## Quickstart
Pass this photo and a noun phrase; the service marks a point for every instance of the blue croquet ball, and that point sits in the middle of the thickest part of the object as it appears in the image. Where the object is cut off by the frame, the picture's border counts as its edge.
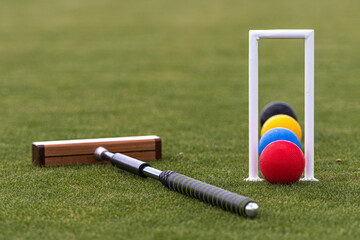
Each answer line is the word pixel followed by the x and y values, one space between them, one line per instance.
pixel 276 134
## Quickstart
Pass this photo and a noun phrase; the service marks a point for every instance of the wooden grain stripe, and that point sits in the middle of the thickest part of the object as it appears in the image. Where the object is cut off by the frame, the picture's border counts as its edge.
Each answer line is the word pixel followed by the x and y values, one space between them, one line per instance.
pixel 89 159
pixel 89 148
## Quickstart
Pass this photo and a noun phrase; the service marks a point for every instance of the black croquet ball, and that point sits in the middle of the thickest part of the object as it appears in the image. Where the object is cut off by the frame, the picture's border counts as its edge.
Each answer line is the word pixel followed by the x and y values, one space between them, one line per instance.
pixel 276 108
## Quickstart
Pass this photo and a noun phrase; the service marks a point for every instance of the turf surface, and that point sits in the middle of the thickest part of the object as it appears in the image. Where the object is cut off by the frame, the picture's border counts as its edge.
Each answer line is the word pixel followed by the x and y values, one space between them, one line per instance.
pixel 177 69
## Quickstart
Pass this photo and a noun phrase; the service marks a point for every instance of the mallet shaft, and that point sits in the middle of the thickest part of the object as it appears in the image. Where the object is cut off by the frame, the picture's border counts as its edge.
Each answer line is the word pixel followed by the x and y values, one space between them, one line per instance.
pixel 152 172
pixel 191 187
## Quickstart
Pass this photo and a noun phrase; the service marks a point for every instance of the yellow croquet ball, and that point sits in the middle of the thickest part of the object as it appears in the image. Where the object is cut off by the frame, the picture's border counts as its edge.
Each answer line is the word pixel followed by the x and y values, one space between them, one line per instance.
pixel 283 121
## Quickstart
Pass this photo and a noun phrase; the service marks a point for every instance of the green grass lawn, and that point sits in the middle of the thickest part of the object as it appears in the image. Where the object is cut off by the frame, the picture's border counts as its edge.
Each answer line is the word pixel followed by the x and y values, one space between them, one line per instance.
pixel 77 69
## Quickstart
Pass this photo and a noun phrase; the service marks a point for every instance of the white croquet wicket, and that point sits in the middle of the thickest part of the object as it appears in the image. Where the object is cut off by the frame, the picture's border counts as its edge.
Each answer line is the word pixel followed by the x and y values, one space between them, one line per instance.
pixel 254 37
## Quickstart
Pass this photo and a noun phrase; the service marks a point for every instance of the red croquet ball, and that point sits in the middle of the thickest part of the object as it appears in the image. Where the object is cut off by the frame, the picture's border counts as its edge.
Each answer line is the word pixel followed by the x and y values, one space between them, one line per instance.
pixel 282 162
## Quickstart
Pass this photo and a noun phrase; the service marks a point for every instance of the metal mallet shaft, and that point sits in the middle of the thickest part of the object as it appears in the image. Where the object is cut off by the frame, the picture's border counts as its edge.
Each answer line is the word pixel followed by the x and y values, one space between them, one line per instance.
pixel 216 196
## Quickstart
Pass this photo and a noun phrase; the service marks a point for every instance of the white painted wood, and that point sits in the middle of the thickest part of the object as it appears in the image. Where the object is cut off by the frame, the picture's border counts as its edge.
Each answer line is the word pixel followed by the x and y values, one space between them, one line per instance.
pixel 95 140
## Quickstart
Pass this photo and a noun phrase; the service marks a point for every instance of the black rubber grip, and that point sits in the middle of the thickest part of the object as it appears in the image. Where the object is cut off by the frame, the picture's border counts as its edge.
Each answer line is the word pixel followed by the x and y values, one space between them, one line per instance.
pixel 216 196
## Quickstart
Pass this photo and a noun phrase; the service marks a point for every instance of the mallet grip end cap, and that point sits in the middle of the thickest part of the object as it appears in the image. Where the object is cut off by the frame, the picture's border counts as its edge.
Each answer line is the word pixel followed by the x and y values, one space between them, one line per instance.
pixel 251 209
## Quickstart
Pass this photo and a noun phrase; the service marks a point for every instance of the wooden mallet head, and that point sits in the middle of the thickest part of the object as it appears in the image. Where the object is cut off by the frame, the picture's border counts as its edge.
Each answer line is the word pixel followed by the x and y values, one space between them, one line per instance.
pixel 73 152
